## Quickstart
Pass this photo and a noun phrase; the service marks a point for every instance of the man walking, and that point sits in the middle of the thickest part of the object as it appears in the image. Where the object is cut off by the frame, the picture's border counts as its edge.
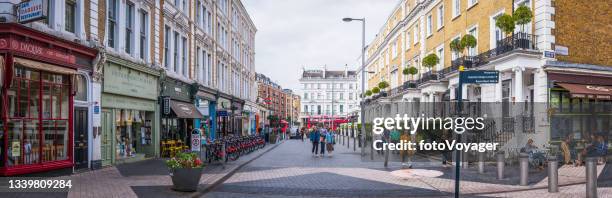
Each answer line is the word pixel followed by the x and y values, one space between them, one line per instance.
pixel 314 138
pixel 322 140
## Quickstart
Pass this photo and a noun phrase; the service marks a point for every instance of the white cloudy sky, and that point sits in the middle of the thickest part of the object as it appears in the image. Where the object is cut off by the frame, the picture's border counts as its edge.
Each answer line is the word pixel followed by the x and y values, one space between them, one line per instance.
pixel 311 33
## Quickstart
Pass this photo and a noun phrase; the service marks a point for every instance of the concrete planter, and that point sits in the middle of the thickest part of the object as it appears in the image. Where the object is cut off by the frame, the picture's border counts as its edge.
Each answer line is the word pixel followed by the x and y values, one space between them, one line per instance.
pixel 186 179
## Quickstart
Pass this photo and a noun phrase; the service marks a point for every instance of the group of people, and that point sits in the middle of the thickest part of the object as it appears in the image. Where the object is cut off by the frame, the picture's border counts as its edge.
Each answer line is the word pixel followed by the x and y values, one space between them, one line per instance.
pixel 324 139
pixel 597 147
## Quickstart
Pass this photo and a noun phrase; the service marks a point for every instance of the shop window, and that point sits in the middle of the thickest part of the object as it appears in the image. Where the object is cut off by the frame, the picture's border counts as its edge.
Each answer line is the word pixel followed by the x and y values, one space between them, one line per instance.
pixel 26 121
pixel 133 130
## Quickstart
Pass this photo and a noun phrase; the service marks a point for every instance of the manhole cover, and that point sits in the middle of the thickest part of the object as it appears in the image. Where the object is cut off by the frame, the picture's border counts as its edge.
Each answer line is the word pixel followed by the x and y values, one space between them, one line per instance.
pixel 416 173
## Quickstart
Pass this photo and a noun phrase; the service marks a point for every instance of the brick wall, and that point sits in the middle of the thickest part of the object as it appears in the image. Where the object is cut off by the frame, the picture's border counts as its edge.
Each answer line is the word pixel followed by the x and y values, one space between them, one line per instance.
pixel 101 20
pixel 584 27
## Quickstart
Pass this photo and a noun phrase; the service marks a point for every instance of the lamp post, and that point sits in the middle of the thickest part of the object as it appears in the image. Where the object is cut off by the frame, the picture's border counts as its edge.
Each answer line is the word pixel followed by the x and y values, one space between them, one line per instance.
pixel 362 80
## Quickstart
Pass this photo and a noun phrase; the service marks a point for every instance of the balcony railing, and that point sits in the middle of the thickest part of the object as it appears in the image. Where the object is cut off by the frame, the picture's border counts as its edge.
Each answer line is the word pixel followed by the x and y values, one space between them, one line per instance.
pixel 429 76
pixel 515 41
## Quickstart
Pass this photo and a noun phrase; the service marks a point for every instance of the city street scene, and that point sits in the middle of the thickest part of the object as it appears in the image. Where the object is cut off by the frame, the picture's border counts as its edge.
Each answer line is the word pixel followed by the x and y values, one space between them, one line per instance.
pixel 305 98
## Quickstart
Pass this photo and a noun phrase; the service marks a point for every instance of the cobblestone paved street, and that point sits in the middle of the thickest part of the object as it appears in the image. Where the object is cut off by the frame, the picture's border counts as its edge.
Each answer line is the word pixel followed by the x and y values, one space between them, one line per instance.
pixel 291 170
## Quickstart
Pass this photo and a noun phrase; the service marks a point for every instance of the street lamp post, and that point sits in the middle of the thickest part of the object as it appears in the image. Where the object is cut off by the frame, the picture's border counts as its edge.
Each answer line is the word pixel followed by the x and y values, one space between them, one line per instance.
pixel 362 104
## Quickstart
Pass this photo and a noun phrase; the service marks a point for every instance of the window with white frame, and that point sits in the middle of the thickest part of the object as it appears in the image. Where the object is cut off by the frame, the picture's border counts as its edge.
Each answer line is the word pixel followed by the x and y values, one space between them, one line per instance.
pixel 429 25
pixel 199 67
pixel 440 52
pixel 454 54
pixel 112 23
pixel 209 69
pixel 456 8
pixel 472 3
pixel 70 16
pixel 440 16
pixel 407 36
pixel 167 47
pixel 129 26
pixel 143 48
pixel 472 51
pixel 394 50
pixel 416 34
pixel 184 55
pixel 176 52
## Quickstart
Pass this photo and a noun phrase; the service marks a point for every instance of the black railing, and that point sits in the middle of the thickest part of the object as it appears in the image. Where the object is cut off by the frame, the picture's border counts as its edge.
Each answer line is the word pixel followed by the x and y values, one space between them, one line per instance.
pixel 508 124
pixel 399 89
pixel 515 41
pixel 528 123
pixel 428 76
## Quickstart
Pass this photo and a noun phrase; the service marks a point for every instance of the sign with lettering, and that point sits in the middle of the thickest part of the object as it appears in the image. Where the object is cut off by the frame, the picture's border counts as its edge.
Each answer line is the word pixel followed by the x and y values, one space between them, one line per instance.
pixel 549 54
pixel 125 102
pixel 125 81
pixel 37 49
pixel 32 10
pixel 479 76
pixel 561 50
pixel 195 140
pixel 166 105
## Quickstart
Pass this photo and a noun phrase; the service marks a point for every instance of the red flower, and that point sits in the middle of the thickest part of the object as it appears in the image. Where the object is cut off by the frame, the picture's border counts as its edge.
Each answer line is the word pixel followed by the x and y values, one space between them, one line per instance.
pixel 197 162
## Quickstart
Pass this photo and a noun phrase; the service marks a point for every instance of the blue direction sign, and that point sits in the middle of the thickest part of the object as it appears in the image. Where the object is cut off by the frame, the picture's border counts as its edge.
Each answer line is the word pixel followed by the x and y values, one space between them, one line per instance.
pixel 479 77
pixel 222 113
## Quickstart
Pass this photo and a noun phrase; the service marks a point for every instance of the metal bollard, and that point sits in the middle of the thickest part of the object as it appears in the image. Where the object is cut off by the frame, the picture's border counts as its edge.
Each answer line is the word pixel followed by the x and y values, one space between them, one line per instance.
pixel 501 156
pixel 553 174
pixel 591 177
pixel 464 160
pixel 481 163
pixel 524 163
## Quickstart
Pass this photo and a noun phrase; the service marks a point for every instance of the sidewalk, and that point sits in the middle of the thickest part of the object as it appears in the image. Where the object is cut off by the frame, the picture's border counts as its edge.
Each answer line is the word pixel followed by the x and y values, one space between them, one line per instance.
pixel 150 178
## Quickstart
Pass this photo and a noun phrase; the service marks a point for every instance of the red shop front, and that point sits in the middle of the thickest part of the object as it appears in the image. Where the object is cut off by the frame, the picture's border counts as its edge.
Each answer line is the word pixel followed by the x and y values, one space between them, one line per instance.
pixel 37 71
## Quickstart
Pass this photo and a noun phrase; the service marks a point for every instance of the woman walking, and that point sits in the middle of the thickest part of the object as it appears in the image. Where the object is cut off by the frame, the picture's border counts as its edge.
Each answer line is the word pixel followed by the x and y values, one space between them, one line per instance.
pixel 329 139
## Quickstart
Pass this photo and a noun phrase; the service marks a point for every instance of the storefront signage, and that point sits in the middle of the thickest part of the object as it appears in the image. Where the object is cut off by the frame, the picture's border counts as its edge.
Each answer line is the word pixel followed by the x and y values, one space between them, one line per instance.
pixel 125 81
pixel 15 149
pixel 203 107
pixel 561 50
pixel 176 90
pixel 37 49
pixel 549 54
pixel 33 10
pixel 166 105
pixel 195 140
pixel 221 113
pixel 124 102
pixel 479 77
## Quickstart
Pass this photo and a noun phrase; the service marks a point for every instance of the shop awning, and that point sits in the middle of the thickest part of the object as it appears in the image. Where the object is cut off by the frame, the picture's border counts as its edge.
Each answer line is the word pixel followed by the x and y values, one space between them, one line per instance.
pixel 44 66
pixel 184 110
pixel 588 91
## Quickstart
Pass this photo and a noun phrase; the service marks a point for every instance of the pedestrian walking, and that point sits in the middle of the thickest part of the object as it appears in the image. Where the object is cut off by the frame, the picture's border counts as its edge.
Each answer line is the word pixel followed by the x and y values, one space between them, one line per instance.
pixel 314 138
pixel 329 139
pixel 322 141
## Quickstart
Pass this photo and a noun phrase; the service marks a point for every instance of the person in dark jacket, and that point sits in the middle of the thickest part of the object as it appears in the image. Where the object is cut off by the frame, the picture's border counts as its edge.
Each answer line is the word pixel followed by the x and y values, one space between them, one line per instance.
pixel 315 135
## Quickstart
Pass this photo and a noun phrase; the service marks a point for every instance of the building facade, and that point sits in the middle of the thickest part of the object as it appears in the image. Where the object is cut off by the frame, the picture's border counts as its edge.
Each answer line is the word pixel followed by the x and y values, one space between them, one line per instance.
pixel 328 93
pixel 541 63
pixel 127 76
pixel 272 96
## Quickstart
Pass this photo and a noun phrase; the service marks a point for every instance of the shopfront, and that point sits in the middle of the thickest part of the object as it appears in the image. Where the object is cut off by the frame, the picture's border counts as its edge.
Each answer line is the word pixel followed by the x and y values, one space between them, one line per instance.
pixel 224 114
pixel 129 112
pixel 580 106
pixel 37 79
pixel 206 103
pixel 179 116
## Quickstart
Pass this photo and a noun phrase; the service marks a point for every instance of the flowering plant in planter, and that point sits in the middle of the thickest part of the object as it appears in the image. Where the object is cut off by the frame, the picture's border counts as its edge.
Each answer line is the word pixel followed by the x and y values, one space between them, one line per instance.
pixel 185 170
pixel 185 160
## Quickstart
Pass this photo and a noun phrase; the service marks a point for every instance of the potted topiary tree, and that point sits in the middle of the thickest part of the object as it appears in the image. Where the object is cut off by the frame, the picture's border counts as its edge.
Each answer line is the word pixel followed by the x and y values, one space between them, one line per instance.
pixel 430 61
pixel 383 84
pixel 368 93
pixel 185 171
pixel 505 22
pixel 375 90
pixel 467 41
pixel 410 71
pixel 522 16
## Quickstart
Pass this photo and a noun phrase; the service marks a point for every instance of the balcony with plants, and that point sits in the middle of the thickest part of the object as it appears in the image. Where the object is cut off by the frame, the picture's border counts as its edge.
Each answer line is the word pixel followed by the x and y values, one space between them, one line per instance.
pixel 429 62
pixel 513 41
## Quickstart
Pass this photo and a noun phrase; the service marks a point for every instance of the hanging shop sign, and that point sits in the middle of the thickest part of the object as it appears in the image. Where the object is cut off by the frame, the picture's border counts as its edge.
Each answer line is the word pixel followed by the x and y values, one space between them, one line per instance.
pixel 33 10
pixel 195 140
pixel 166 105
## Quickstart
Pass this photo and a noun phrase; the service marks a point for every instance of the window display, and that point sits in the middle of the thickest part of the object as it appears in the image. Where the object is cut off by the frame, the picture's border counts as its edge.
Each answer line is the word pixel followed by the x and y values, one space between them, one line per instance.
pixel 132 130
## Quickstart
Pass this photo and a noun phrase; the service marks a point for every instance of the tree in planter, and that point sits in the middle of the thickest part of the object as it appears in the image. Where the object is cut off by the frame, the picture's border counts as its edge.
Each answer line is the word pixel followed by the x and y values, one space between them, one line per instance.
pixel 431 60
pixel 383 84
pixel 368 93
pixel 468 41
pixel 375 90
pixel 410 71
pixel 522 15
pixel 505 22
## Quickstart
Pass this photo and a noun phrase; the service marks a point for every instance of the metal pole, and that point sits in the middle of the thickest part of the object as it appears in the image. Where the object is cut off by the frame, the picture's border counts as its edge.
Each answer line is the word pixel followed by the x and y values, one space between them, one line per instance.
pixel 481 163
pixel 457 152
pixel 363 68
pixel 500 165
pixel 553 174
pixel 524 161
pixel 591 177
